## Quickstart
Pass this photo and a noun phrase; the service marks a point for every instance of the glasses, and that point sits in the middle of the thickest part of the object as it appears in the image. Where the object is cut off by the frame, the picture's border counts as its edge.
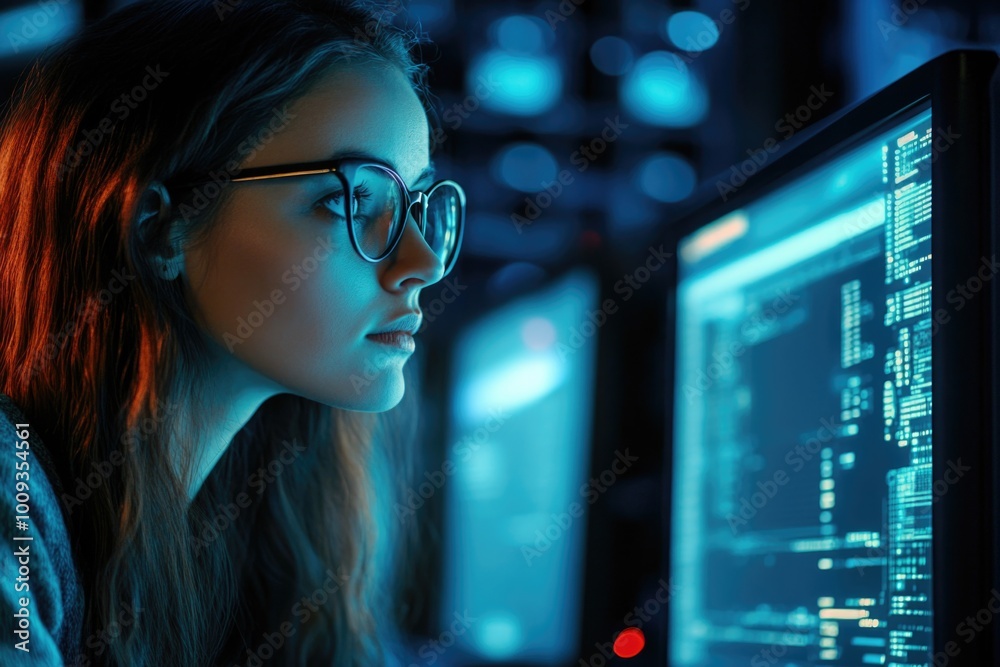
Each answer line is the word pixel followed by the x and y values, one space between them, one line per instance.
pixel 380 204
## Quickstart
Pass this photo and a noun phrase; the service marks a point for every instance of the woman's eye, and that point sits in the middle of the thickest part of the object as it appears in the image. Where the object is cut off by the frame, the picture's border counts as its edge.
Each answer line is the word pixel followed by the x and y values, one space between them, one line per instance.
pixel 335 202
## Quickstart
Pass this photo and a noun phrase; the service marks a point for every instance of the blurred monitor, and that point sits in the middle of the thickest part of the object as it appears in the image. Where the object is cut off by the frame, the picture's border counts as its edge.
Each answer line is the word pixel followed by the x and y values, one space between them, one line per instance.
pixel 518 452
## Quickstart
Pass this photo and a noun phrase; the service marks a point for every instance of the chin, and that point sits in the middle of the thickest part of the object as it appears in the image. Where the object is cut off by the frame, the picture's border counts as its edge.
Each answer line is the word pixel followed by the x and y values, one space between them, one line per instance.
pixel 363 395
pixel 380 403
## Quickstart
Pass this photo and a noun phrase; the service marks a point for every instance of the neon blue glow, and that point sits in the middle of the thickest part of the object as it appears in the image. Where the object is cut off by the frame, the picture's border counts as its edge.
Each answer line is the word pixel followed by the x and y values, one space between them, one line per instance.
pixel 788 252
pixel 486 473
pixel 667 177
pixel 692 31
pixel 522 85
pixel 37 25
pixel 884 43
pixel 525 167
pixel 612 55
pixel 803 321
pixel 513 384
pixel 661 90
pixel 539 333
pixel 499 635
pixel 519 452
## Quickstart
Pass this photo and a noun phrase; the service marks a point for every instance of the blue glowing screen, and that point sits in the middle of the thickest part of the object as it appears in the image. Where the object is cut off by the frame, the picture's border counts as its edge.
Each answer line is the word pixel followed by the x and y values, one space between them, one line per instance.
pixel 802 486
pixel 518 463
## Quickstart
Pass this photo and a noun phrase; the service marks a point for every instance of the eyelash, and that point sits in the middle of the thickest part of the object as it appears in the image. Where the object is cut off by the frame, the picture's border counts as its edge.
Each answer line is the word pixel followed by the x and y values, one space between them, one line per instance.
pixel 361 193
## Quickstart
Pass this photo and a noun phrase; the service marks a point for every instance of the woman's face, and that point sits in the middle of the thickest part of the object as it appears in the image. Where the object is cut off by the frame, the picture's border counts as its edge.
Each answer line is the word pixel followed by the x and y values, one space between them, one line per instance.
pixel 278 284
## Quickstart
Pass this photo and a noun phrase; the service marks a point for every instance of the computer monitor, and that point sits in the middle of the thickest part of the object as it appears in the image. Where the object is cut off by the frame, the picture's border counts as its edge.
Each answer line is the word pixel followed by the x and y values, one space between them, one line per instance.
pixel 517 463
pixel 831 487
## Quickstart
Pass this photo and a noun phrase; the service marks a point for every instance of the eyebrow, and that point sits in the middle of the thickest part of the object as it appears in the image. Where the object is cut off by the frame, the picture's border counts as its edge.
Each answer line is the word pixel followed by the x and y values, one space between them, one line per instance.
pixel 425 176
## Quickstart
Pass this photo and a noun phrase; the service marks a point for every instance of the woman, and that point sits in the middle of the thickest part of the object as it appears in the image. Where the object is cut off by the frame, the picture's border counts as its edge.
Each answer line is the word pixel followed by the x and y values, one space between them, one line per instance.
pixel 204 233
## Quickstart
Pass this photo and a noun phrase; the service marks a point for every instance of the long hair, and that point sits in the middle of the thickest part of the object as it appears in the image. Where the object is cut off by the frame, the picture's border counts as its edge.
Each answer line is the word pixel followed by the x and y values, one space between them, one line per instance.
pixel 283 556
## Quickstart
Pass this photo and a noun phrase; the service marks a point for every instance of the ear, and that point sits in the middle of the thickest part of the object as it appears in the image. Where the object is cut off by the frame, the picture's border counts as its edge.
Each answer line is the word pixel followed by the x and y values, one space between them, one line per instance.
pixel 158 231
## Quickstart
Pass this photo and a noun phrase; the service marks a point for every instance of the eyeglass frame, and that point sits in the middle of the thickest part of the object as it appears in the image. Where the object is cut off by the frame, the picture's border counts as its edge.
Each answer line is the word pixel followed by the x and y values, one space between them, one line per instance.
pixel 337 166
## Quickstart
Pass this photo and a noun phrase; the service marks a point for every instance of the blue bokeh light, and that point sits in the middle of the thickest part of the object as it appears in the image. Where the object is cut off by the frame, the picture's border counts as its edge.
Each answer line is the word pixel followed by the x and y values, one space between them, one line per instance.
pixel 33 27
pixel 692 31
pixel 525 166
pixel 522 34
pixel 612 55
pixel 517 84
pixel 513 385
pixel 667 177
pixel 661 90
pixel 499 635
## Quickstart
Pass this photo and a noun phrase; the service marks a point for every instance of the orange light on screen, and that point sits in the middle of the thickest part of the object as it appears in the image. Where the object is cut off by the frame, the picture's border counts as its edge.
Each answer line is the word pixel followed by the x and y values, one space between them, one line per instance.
pixel 629 642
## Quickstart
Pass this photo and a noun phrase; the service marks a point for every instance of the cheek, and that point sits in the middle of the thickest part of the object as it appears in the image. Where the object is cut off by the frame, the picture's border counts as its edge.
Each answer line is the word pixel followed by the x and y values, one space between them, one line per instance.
pixel 285 304
pixel 326 309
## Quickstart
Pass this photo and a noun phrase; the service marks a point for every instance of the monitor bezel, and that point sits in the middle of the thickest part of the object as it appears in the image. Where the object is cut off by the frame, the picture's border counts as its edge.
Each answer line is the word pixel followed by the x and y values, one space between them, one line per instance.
pixel 958 85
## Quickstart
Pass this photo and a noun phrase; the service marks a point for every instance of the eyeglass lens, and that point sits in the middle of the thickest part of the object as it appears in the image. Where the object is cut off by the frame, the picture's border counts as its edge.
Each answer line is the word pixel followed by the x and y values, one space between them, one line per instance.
pixel 377 217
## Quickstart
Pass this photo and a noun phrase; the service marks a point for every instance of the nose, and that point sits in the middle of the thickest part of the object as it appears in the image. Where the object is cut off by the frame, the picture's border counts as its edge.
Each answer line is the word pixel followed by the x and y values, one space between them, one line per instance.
pixel 413 256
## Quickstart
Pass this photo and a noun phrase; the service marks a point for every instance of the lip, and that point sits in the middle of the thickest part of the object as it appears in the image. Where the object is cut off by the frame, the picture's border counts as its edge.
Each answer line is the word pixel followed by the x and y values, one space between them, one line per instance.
pixel 397 339
pixel 408 323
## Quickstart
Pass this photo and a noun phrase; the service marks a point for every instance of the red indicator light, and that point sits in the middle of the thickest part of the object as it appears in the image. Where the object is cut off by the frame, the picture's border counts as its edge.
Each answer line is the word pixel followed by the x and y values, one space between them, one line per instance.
pixel 629 642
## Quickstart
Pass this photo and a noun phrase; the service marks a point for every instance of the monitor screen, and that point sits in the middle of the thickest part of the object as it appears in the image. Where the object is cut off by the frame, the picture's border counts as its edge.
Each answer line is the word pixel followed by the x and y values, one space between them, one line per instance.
pixel 517 465
pixel 802 486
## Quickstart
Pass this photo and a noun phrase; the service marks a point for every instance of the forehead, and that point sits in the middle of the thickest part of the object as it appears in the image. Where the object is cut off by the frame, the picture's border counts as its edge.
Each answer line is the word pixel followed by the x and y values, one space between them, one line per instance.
pixel 368 108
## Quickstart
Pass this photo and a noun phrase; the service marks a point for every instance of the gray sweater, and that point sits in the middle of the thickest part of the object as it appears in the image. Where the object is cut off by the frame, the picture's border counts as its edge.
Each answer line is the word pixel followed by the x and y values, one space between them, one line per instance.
pixel 42 591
